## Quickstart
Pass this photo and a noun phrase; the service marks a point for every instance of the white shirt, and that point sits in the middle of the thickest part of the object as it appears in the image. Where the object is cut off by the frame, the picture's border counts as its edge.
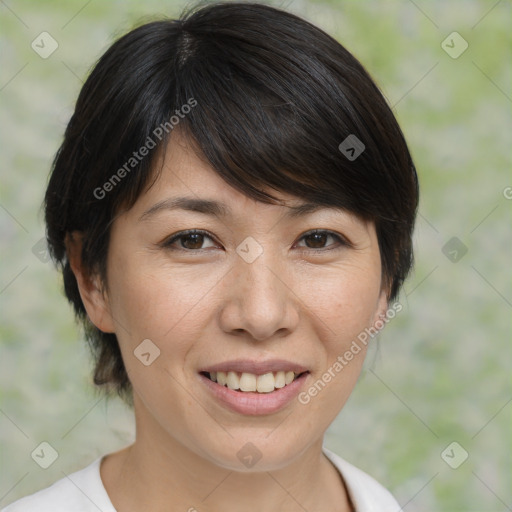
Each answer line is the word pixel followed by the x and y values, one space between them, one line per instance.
pixel 83 491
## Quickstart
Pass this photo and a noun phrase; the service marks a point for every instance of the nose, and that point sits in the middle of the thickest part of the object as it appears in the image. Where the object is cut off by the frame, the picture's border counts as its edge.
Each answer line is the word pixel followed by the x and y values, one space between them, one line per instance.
pixel 259 300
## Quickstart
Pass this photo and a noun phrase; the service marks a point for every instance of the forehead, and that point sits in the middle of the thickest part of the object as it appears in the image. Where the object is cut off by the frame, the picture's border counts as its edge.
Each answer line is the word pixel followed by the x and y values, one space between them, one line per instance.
pixel 187 180
pixel 187 183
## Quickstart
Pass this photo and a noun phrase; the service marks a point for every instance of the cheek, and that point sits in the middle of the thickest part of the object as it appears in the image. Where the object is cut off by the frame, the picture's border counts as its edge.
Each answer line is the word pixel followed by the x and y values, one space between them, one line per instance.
pixel 345 302
pixel 167 304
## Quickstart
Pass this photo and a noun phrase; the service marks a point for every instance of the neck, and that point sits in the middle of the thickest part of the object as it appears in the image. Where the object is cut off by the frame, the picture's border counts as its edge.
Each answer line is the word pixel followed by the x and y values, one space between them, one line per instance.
pixel 151 476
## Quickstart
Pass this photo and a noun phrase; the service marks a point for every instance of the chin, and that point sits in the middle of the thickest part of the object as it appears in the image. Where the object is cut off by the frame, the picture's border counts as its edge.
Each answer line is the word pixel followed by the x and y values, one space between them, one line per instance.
pixel 254 454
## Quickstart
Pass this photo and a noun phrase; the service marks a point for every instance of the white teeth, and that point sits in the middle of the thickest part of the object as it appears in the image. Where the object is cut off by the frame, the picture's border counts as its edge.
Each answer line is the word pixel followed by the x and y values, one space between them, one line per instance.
pixel 280 381
pixel 265 383
pixel 233 381
pixel 221 378
pixel 248 382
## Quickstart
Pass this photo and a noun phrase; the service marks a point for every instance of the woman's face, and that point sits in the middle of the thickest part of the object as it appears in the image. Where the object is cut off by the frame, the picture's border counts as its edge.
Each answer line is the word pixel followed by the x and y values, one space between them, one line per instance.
pixel 255 293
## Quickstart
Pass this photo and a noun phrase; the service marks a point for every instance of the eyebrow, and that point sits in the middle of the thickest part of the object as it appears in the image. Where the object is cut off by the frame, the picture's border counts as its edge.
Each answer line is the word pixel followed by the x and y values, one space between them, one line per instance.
pixel 217 209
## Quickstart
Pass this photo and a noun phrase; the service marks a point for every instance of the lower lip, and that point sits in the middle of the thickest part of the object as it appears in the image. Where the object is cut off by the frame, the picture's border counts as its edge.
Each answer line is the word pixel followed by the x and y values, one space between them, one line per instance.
pixel 252 403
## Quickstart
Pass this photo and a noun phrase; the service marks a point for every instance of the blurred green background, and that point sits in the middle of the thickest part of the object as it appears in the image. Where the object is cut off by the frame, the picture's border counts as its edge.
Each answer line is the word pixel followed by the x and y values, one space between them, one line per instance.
pixel 440 372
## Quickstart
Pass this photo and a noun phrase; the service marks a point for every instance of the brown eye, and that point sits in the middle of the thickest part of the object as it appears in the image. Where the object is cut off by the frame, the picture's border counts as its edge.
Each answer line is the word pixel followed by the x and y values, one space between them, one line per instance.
pixel 190 241
pixel 193 241
pixel 318 240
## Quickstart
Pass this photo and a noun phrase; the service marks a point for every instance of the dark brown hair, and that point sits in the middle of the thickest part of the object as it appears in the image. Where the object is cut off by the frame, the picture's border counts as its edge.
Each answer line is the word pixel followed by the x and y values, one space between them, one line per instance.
pixel 274 103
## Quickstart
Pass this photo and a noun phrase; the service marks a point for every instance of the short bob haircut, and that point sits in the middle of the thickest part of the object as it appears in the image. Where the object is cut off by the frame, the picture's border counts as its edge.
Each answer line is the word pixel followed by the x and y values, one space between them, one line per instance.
pixel 266 98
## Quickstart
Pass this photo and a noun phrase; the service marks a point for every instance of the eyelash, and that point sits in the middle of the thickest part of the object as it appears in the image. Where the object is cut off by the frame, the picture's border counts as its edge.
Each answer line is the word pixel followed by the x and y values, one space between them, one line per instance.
pixel 167 244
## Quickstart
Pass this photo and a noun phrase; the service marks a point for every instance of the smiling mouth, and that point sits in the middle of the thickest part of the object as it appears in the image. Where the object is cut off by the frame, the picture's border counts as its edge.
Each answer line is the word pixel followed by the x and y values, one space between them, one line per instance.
pixel 250 382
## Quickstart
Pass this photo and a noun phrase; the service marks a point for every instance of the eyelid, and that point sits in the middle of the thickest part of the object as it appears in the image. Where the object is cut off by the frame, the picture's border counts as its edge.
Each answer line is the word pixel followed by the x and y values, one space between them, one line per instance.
pixel 341 239
pixel 167 242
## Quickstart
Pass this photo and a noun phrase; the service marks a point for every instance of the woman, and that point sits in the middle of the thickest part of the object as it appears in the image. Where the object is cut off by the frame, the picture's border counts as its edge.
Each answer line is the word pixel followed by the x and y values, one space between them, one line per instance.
pixel 232 208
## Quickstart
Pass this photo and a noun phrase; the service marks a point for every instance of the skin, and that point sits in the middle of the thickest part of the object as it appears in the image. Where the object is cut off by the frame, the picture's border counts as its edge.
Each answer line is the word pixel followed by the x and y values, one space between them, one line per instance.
pixel 203 305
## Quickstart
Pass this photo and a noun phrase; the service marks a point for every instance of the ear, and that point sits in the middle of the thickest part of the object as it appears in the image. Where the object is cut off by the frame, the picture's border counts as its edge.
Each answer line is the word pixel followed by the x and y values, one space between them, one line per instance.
pixel 381 310
pixel 94 297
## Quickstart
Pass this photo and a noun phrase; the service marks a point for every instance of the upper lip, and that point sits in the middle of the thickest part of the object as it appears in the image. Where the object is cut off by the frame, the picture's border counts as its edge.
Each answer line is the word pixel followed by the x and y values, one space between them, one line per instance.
pixel 256 367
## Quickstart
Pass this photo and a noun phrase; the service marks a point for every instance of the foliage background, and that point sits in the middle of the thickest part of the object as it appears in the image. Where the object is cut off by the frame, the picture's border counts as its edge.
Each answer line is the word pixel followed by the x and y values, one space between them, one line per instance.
pixel 441 370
